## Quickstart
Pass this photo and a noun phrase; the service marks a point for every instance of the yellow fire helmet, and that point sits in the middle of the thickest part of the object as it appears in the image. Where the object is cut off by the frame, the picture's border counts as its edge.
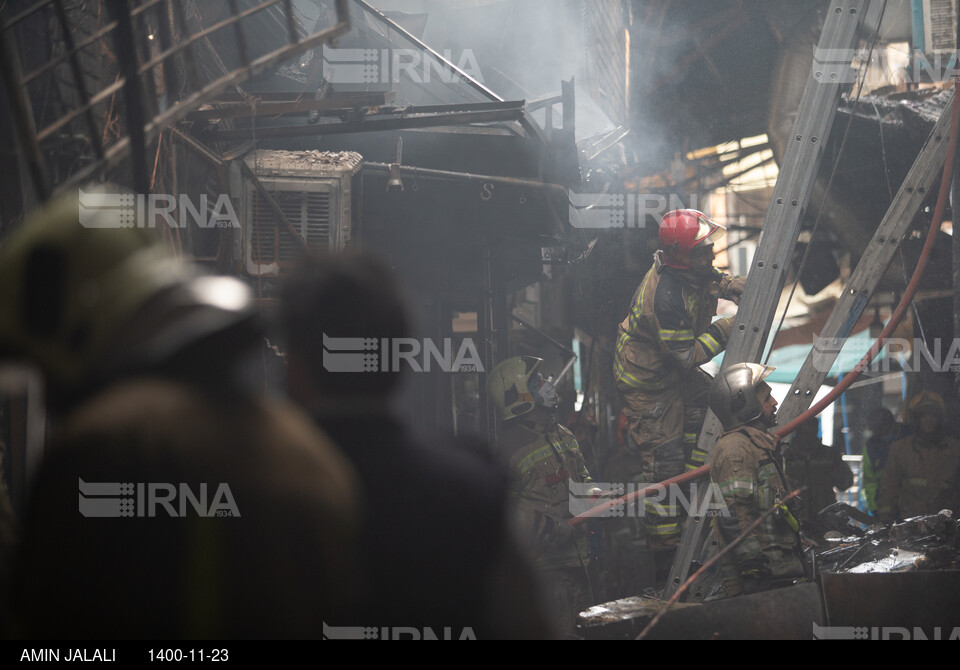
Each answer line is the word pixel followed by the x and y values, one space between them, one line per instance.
pixel 508 386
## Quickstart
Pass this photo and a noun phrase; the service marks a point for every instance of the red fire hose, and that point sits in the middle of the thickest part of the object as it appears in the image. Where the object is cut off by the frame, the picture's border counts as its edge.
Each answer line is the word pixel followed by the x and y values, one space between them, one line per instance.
pixel 910 291
pixel 851 376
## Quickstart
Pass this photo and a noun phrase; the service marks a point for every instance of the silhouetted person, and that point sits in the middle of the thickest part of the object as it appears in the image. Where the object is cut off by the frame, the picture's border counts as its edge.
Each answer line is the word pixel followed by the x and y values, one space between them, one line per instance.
pixel 204 510
pixel 885 430
pixel 922 473
pixel 438 551
pixel 809 462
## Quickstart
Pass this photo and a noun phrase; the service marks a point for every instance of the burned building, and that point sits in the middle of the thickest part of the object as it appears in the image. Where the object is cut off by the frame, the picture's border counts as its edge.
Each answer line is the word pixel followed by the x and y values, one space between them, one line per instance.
pixel 511 160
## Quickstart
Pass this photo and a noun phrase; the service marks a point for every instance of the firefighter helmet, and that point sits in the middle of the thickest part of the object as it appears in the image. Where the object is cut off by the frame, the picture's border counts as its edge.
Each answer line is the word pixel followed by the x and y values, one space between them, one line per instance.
pixel 683 230
pixel 733 394
pixel 925 402
pixel 509 386
pixel 68 288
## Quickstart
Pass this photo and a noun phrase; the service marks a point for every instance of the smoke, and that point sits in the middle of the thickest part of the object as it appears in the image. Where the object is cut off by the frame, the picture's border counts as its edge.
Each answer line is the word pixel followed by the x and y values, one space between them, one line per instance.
pixel 523 49
pixel 660 41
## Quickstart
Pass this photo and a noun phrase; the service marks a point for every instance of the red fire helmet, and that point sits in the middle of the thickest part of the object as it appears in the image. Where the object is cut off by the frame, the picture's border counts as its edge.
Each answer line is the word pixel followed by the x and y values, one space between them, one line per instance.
pixel 681 231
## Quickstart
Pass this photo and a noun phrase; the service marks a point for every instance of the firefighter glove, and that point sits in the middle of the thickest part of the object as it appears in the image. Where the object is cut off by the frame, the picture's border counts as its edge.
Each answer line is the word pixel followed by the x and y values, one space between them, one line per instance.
pixel 731 287
pixel 723 327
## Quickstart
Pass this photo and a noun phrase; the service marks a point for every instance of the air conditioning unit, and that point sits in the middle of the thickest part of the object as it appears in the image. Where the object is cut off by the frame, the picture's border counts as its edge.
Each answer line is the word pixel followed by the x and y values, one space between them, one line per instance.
pixel 313 189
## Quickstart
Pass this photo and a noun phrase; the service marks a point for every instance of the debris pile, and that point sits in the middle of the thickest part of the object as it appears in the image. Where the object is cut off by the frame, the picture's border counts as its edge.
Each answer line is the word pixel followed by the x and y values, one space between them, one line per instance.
pixel 930 542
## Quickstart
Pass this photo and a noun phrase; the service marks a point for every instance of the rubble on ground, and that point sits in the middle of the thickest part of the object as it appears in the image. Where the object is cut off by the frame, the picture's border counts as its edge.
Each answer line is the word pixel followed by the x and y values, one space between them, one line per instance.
pixel 929 542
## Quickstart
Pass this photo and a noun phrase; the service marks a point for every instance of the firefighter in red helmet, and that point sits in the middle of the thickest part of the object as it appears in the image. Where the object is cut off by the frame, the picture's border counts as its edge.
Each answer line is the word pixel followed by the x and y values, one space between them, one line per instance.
pixel 669 332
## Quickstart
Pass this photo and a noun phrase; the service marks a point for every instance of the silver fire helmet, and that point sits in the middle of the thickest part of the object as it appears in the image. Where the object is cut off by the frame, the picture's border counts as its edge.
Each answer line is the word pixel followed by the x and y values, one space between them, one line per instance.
pixel 733 394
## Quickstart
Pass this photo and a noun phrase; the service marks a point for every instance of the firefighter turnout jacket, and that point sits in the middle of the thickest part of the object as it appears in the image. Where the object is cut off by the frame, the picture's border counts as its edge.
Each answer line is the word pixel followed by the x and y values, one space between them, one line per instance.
pixel 667 335
pixel 542 460
pixel 746 467
pixel 668 331
pixel 921 476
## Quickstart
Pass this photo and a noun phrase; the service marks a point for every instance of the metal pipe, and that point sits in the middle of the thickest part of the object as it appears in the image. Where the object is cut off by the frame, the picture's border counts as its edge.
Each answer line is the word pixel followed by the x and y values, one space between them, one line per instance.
pixel 401 123
pixel 427 172
pixel 566 369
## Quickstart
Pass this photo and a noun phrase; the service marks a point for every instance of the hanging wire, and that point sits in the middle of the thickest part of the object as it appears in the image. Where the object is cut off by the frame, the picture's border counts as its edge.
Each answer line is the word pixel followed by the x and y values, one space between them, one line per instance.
pixel 886 174
pixel 833 172
pixel 903 264
pixel 883 150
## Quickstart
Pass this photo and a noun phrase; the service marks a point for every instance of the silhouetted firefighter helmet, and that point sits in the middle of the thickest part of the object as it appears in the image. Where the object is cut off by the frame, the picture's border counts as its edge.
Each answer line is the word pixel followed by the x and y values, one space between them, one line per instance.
pixel 683 230
pixel 69 292
pixel 924 402
pixel 733 394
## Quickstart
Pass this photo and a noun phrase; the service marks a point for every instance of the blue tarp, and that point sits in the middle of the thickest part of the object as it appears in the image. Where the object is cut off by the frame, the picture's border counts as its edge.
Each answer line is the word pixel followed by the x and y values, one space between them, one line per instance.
pixel 789 360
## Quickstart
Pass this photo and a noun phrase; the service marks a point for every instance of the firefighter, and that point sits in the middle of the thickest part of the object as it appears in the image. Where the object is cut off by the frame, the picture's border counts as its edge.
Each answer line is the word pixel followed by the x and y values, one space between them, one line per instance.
pixel 547 469
pixel 808 462
pixel 922 473
pixel 668 334
pixel 240 518
pixel 884 430
pixel 746 467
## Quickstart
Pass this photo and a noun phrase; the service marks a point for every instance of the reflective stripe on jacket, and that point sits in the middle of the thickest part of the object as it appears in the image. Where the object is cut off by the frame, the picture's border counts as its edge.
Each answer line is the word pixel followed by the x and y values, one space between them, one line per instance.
pixel 668 331
pixel 543 461
pixel 745 467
